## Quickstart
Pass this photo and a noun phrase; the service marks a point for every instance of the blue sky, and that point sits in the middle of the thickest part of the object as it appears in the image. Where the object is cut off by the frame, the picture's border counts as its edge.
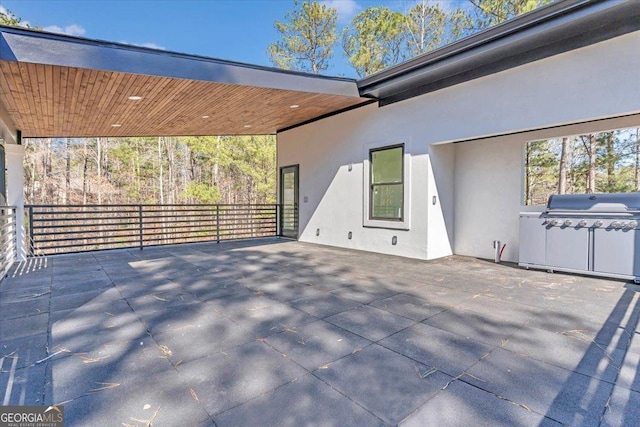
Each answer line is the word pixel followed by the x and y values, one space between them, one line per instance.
pixel 239 30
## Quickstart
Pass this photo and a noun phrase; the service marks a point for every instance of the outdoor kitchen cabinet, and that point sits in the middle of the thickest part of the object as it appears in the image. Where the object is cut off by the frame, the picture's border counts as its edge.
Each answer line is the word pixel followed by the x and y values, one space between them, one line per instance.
pixel 617 251
pixel 597 234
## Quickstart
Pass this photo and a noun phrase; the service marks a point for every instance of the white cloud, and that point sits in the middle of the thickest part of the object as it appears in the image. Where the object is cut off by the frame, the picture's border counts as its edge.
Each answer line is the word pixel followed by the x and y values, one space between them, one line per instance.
pixel 347 9
pixel 150 45
pixel 71 30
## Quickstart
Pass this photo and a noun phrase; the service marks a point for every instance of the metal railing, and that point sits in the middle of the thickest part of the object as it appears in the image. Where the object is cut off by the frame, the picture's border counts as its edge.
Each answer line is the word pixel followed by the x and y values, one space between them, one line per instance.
pixel 8 242
pixel 77 228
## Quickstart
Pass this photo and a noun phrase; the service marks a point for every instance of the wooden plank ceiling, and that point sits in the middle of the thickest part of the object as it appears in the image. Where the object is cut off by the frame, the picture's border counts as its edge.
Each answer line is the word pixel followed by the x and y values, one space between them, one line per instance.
pixel 55 101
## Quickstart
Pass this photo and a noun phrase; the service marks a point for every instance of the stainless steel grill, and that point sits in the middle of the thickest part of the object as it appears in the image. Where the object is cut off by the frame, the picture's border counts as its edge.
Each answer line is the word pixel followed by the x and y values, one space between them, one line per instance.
pixel 596 234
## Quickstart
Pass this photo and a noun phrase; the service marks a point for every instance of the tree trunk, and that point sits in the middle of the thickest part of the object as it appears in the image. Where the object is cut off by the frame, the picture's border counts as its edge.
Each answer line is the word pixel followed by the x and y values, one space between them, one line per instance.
pixel 637 169
pixel 611 162
pixel 527 176
pixel 33 179
pixel 84 173
pixel 170 178
pixel 99 168
pixel 67 174
pixel 161 177
pixel 591 181
pixel 564 154
pixel 46 171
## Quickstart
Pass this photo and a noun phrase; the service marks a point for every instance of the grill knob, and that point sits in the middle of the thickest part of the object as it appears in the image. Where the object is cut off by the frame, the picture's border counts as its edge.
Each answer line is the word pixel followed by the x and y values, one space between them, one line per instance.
pixel 633 224
pixel 582 223
pixel 616 224
pixel 553 222
pixel 568 222
pixel 598 223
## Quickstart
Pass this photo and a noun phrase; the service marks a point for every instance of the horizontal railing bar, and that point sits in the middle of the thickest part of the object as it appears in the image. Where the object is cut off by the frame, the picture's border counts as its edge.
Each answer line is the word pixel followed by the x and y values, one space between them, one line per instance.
pixel 170 231
pixel 51 250
pixel 135 216
pixel 210 232
pixel 169 227
pixel 147 205
pixel 106 224
pixel 7 243
pixel 82 218
pixel 180 227
pixel 10 233
pixel 79 243
pixel 157 214
pixel 86 213
pixel 212 237
pixel 222 230
pixel 100 240
pixel 68 232
pixel 79 228
pixel 206 208
pixel 202 220
pixel 174 214
pixel 134 244
pixel 93 237
pixel 209 240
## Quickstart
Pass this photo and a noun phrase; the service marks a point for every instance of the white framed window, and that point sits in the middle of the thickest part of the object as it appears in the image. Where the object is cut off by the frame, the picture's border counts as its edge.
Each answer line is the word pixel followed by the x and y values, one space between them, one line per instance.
pixel 387 190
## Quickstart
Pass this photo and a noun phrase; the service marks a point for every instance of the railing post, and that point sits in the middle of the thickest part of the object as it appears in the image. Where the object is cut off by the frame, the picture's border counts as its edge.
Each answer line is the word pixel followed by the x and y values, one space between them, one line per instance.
pixel 31 243
pixel 278 220
pixel 217 223
pixel 140 227
pixel 14 219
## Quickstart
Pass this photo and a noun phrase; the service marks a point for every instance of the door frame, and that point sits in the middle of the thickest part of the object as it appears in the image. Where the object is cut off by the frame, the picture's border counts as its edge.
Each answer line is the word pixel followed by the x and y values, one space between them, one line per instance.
pixel 296 200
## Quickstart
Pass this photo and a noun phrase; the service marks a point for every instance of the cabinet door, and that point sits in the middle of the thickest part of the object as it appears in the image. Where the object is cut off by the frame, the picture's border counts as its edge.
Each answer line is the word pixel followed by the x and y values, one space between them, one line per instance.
pixel 532 240
pixel 616 251
pixel 568 247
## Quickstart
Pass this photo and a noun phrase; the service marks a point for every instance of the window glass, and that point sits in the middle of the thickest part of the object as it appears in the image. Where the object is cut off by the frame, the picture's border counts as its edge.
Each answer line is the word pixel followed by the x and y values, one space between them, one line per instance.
pixel 386 197
pixel 387 201
pixel 386 165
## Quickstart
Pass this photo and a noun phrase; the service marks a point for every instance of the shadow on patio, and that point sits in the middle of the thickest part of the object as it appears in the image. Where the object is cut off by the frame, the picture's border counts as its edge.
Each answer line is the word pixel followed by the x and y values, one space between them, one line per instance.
pixel 276 332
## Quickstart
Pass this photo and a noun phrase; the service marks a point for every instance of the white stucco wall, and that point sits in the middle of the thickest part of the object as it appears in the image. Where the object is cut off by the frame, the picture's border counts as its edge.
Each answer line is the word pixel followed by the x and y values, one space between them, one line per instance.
pixel 477 184
pixel 325 150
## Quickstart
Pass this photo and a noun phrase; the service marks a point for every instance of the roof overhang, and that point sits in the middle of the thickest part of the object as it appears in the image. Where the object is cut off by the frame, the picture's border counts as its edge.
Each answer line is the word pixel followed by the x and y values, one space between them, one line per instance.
pixel 60 86
pixel 559 27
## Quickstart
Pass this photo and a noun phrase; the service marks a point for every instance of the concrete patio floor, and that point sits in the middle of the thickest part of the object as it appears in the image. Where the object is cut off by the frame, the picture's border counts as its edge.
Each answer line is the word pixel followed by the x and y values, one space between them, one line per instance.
pixel 274 332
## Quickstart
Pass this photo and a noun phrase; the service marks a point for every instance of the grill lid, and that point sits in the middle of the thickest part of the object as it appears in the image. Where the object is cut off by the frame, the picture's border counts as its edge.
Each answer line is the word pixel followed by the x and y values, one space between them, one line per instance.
pixel 610 202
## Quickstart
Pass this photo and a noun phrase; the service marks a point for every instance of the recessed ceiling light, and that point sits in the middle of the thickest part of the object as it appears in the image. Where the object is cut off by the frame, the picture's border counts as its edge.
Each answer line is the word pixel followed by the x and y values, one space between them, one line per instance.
pixel 205 117
pixel 294 106
pixel 247 126
pixel 135 98
pixel 116 125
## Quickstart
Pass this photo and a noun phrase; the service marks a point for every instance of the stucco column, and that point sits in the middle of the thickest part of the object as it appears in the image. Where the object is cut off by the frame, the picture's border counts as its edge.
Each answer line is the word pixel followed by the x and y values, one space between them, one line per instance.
pixel 15 193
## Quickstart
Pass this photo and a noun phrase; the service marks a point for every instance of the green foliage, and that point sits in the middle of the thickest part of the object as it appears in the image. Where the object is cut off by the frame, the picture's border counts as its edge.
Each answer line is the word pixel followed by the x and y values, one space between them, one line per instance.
pixel 616 169
pixel 378 37
pixel 487 13
pixel 308 35
pixel 426 27
pixel 375 40
pixel 9 18
pixel 201 192
pixel 212 169
pixel 541 170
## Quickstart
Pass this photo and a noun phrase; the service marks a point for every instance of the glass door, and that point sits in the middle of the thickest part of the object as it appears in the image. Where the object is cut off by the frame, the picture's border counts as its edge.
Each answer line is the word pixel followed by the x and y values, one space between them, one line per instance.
pixel 289 201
